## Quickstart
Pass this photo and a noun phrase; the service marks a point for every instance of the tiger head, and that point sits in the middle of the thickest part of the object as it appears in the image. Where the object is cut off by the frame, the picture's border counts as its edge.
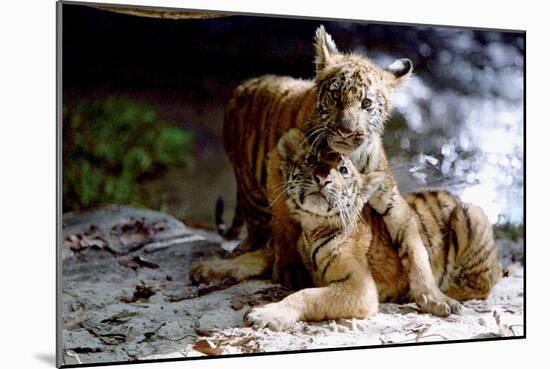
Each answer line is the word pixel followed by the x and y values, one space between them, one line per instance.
pixel 353 95
pixel 319 182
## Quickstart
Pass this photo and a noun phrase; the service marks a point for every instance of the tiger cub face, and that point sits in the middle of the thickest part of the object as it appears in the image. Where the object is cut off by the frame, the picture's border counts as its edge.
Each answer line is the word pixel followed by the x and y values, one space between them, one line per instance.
pixel 353 95
pixel 321 183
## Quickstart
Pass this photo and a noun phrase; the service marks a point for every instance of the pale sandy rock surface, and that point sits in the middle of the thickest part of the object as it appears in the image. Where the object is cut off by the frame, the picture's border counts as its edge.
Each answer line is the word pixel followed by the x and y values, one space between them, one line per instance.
pixel 104 321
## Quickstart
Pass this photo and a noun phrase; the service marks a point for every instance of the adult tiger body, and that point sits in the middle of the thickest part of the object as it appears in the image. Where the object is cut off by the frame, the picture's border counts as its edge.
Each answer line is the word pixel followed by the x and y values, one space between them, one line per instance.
pixel 260 110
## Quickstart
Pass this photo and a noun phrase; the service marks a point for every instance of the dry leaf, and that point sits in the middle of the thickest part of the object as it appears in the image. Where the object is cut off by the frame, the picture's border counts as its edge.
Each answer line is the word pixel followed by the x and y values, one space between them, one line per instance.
pixel 207 348
pixel 142 292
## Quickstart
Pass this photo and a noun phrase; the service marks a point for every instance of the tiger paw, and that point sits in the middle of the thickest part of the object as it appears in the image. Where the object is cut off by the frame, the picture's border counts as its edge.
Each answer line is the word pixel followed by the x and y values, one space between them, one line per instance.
pixel 438 304
pixel 273 316
pixel 212 271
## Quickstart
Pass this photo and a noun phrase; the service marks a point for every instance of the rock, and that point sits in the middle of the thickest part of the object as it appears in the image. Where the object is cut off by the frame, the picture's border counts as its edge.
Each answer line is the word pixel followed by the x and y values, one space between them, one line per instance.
pixel 81 341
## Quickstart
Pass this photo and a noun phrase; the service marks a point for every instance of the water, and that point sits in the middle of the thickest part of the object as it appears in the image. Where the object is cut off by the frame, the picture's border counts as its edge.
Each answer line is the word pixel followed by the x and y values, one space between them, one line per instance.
pixel 465 135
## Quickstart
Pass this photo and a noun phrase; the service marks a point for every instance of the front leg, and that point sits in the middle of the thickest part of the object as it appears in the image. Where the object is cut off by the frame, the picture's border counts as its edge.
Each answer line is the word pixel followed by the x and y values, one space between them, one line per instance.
pixel 403 229
pixel 354 297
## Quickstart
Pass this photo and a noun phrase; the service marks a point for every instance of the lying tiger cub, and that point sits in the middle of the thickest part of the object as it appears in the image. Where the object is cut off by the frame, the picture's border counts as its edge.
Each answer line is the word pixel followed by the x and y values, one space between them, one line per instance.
pixel 352 260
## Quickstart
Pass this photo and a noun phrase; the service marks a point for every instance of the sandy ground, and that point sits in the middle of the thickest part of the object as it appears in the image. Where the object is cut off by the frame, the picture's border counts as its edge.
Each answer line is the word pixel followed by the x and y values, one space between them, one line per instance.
pixel 126 296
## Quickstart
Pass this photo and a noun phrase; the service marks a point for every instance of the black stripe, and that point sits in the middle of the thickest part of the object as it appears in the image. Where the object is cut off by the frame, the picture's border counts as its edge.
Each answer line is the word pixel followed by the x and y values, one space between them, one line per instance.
pixel 432 211
pixel 296 109
pixel 259 136
pixel 263 173
pixel 446 247
pixel 332 258
pixel 256 215
pixel 468 283
pixel 253 194
pixel 478 260
pixel 390 205
pixel 468 222
pixel 481 248
pixel 477 274
pixel 405 254
pixel 348 276
pixel 297 207
pixel 423 224
pixel 455 242
pixel 398 242
pixel 273 122
pixel 322 89
pixel 324 243
pixel 321 232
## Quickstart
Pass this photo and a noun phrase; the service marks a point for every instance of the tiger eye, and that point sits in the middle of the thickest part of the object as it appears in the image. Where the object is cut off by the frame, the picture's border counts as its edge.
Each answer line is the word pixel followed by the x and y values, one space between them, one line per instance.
pixel 366 103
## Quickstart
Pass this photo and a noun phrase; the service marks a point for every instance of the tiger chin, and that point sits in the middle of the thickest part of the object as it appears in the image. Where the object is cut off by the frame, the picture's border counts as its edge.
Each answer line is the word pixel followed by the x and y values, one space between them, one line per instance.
pixel 352 260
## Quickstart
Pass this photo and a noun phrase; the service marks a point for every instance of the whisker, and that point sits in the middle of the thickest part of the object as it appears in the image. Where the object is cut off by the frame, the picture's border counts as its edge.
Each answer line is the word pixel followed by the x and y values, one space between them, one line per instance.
pixel 358 212
pixel 286 189
pixel 318 139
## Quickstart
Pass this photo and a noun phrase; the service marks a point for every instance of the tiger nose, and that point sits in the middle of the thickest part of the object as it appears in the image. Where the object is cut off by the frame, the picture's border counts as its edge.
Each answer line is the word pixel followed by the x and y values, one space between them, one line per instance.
pixel 321 180
pixel 345 132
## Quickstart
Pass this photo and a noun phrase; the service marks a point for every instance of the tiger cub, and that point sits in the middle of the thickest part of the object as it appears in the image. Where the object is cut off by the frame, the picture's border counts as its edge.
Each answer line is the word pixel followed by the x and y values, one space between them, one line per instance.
pixel 352 260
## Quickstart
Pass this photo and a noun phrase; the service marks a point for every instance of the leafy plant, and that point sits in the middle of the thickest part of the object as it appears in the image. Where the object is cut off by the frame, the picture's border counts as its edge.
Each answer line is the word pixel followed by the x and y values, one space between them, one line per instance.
pixel 110 144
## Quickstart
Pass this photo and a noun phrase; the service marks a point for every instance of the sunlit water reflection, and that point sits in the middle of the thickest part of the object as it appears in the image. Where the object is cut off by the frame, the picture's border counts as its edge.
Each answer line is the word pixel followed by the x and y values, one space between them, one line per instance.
pixel 468 137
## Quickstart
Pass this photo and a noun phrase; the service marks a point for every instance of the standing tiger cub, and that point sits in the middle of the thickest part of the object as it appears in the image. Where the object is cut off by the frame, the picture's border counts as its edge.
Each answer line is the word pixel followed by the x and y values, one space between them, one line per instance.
pixel 351 260
pixel 344 107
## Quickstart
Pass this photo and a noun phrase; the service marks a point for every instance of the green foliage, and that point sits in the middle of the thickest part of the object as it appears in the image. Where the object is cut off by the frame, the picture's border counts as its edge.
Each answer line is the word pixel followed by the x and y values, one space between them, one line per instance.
pixel 109 145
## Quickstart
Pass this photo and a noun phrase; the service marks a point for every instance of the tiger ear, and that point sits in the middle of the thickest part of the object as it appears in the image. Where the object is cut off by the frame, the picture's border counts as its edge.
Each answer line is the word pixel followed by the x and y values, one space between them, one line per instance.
pixel 398 71
pixel 325 48
pixel 371 184
pixel 291 145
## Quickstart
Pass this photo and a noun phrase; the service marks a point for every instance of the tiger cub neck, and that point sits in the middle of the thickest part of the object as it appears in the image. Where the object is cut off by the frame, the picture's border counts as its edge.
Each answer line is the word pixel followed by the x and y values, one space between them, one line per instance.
pixel 310 222
pixel 314 225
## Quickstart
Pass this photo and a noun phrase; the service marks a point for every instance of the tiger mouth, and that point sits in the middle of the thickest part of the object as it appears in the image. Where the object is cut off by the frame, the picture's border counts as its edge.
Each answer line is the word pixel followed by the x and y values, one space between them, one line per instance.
pixel 317 194
pixel 321 204
pixel 343 148
pixel 346 146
